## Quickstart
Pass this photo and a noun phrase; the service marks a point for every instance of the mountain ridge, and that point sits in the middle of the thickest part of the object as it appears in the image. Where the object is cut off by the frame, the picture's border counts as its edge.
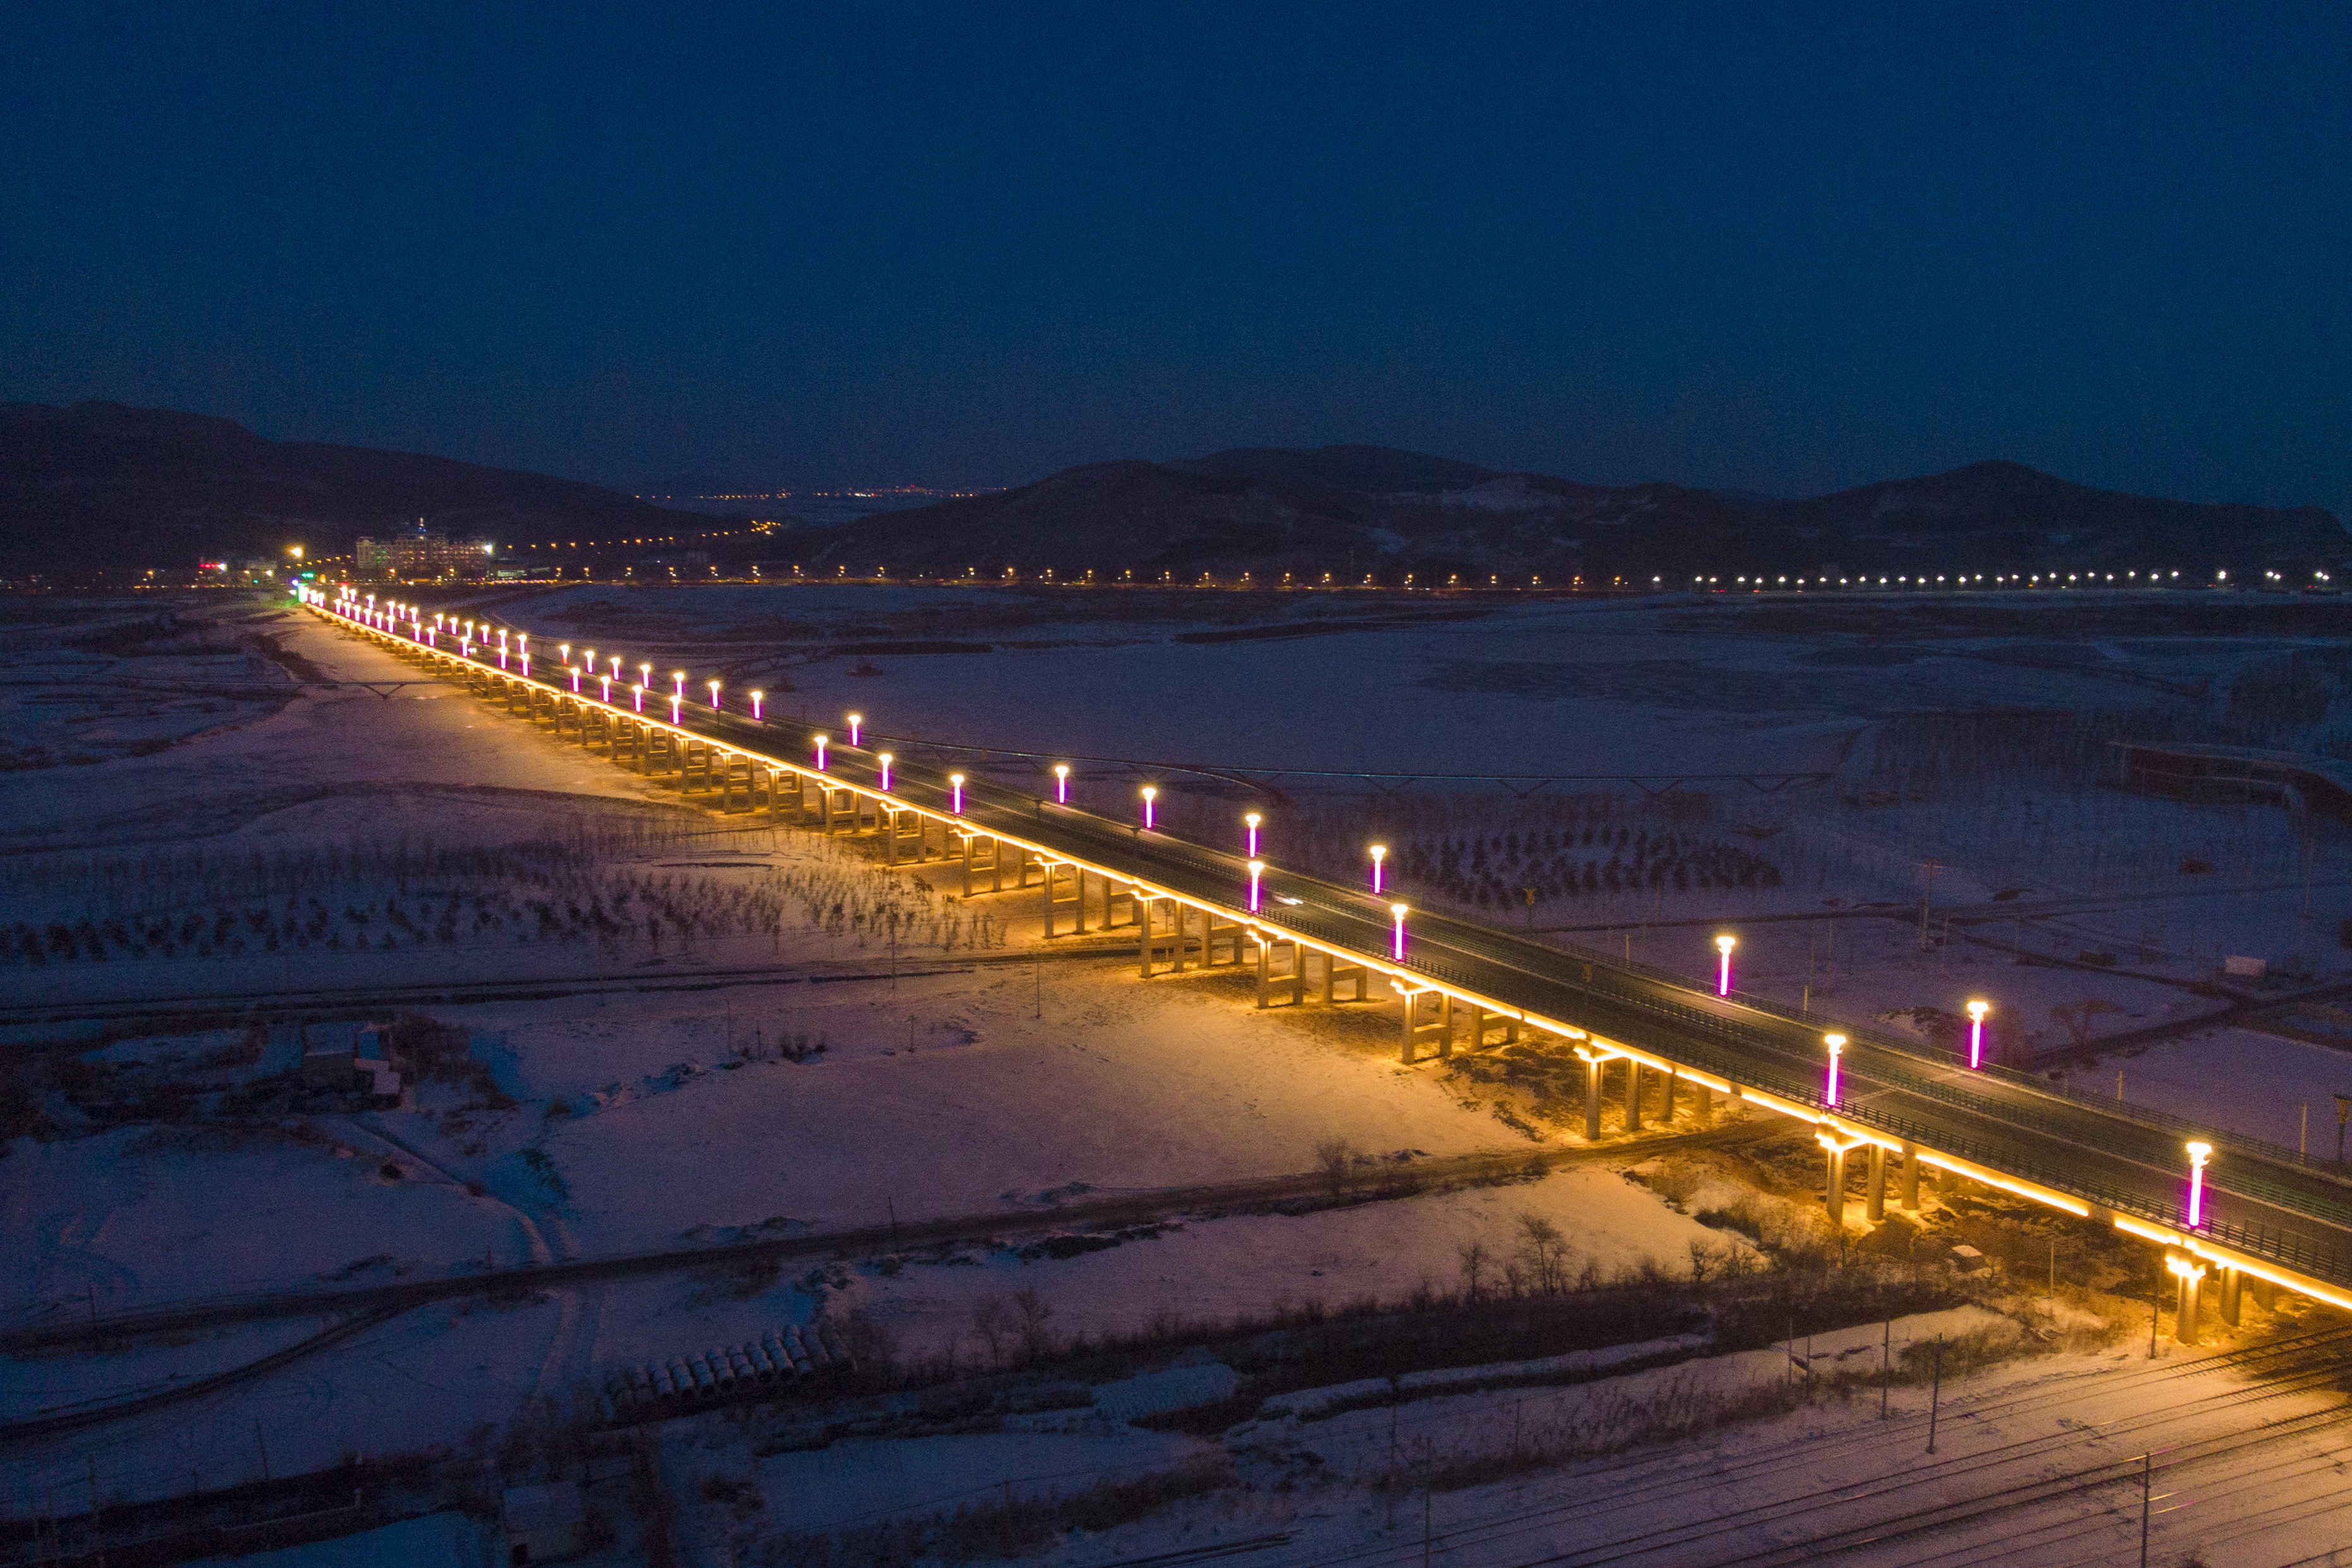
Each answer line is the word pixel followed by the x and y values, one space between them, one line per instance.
pixel 1352 511
pixel 98 485
pixel 103 485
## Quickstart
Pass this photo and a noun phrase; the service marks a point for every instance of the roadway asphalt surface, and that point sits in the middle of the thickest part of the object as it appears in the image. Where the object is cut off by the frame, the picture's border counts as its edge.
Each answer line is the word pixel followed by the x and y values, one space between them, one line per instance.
pixel 2299 1218
pixel 2295 1216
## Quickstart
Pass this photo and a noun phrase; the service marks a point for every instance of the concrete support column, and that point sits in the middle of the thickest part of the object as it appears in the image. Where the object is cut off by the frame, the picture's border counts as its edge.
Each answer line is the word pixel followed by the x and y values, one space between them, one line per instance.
pixel 2184 1327
pixel 1592 1103
pixel 2232 1289
pixel 1834 1190
pixel 1874 1200
pixel 1445 1026
pixel 1633 1095
pixel 1666 1101
pixel 1702 1105
pixel 1910 1179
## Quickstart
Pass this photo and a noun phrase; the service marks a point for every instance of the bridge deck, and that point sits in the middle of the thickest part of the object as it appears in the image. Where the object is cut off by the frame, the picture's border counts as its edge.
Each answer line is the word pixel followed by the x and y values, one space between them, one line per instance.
pixel 2287 1223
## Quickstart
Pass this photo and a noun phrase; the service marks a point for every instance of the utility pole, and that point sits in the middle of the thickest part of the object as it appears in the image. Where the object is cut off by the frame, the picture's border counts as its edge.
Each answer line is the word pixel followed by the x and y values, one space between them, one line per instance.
pixel 1936 1394
pixel 2147 1475
pixel 97 1540
pixel 1927 898
pixel 2343 1114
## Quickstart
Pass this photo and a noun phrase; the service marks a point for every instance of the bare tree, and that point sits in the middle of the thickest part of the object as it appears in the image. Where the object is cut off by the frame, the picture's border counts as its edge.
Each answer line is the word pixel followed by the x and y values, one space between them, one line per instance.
pixel 1473 1268
pixel 1544 1251
pixel 994 1321
pixel 2076 1019
pixel 1336 1155
pixel 1035 1342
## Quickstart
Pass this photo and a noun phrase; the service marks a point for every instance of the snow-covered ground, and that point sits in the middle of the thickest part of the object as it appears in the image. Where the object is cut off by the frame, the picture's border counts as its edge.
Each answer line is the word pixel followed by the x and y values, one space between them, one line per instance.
pixel 664 1116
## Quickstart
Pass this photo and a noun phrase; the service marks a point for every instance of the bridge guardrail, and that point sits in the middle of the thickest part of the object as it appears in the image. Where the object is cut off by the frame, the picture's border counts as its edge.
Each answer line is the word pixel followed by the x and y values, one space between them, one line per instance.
pixel 2285 1247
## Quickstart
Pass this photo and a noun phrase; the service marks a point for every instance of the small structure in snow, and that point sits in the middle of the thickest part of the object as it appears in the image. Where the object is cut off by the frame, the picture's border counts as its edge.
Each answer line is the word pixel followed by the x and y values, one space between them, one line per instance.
pixel 2245 968
pixel 358 1063
pixel 543 1523
pixel 1967 1258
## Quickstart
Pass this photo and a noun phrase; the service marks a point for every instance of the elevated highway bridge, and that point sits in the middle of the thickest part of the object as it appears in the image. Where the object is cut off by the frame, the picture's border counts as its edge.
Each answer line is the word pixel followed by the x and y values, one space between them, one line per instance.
pixel 1893 1110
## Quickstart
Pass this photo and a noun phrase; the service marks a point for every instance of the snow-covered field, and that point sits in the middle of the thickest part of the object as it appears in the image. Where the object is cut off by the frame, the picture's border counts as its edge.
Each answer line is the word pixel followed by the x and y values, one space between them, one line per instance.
pixel 326 831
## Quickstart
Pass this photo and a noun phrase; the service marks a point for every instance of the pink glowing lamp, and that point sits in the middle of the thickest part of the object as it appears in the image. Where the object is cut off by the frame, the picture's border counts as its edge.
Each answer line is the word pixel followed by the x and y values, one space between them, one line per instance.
pixel 1836 1043
pixel 757 697
pixel 1257 870
pixel 714 694
pixel 856 720
pixel 885 759
pixel 955 794
pixel 2198 1153
pixel 1724 944
pixel 1150 796
pixel 1396 949
pixel 1977 1011
pixel 1253 819
pixel 1379 853
pixel 1061 783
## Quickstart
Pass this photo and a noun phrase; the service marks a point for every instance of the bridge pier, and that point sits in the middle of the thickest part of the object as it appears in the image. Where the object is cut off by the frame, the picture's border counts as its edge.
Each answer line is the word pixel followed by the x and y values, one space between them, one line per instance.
pixel 1337 971
pixel 2191 1276
pixel 1834 1195
pixel 1874 1191
pixel 1267 980
pixel 1633 1095
pixel 2232 1289
pixel 1442 1025
pixel 1666 1099
pixel 1702 1103
pixel 1910 1178
pixel 1592 1099
pixel 1150 937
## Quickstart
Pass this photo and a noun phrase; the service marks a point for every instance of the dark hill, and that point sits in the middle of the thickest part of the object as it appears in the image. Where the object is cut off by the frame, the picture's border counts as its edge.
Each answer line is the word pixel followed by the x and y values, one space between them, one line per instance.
pixel 101 486
pixel 1354 511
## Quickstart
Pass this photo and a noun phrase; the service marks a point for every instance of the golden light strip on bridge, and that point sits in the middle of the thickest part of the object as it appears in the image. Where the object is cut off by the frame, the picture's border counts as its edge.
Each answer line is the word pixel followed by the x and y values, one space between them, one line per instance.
pixel 1409 983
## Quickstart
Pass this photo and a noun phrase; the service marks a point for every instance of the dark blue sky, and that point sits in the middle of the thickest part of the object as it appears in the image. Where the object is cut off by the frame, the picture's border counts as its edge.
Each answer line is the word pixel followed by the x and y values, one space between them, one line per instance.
pixel 971 244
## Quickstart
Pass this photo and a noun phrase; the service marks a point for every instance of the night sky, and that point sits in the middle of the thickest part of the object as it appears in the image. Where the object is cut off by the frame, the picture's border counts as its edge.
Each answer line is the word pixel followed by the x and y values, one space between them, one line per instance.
pixel 968 245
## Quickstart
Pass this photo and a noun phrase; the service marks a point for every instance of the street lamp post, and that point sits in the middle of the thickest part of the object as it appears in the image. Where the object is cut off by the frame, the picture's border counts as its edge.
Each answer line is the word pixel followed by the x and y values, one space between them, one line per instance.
pixel 1836 1043
pixel 1396 949
pixel 1977 1011
pixel 1724 944
pixel 1379 853
pixel 2198 1153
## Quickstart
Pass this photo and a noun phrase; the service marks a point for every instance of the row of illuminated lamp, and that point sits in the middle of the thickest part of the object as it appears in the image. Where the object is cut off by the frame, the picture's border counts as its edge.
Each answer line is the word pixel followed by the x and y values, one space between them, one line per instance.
pixel 1836 1044
pixel 398 619
pixel 393 616
pixel 1963 579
